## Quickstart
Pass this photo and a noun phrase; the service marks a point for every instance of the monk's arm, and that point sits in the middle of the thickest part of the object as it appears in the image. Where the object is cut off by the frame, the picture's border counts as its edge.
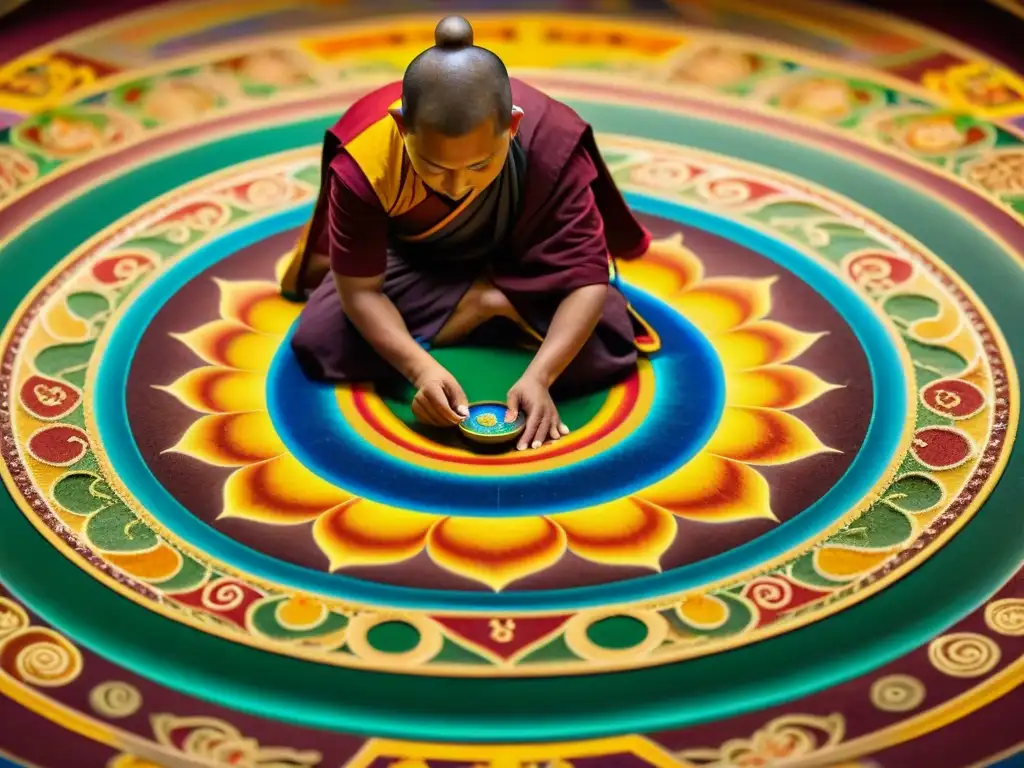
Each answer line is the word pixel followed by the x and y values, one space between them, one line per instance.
pixel 574 248
pixel 358 243
pixel 380 323
pixel 573 323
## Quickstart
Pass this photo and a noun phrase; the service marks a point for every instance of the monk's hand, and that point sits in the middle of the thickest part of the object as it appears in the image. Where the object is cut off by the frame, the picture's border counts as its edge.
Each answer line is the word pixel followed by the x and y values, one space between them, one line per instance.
pixel 439 399
pixel 531 396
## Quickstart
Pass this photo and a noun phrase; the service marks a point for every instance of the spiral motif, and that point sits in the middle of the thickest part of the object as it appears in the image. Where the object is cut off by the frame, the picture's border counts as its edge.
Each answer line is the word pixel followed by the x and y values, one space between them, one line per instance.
pixel 12 618
pixel 223 596
pixel 964 654
pixel 263 193
pixel 897 693
pixel 1006 616
pixel 771 593
pixel 115 699
pixel 664 174
pixel 728 191
pixel 42 658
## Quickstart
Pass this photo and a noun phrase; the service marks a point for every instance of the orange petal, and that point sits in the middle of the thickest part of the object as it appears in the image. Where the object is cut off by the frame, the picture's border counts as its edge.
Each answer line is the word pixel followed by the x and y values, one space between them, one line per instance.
pixel 761 436
pixel 231 439
pixel 220 390
pixel 718 305
pixel 841 564
pixel 667 268
pixel 623 532
pixel 157 564
pixel 713 490
pixel 496 551
pixel 761 343
pixel 362 532
pixel 279 491
pixel 703 611
pixel 223 342
pixel 257 304
pixel 777 386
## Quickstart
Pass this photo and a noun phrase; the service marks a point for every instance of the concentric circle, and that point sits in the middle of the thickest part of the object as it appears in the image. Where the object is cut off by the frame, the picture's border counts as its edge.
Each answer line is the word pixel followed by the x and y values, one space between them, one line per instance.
pixel 833 401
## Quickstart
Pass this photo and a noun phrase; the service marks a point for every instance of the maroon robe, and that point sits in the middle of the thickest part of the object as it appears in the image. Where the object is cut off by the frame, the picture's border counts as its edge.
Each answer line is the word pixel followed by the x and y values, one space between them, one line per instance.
pixel 546 227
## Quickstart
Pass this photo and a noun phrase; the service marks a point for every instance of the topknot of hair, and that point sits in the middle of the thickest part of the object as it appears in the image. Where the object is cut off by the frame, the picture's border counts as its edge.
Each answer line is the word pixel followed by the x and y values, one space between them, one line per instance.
pixel 453 33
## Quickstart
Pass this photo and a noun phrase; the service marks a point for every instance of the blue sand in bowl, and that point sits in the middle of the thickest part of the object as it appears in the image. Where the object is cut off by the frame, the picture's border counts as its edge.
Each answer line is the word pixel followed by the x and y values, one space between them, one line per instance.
pixel 498 429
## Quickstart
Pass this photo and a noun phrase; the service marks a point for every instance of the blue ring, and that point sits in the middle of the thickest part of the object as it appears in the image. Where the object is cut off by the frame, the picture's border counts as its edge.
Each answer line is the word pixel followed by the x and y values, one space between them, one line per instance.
pixel 300 408
pixel 889 413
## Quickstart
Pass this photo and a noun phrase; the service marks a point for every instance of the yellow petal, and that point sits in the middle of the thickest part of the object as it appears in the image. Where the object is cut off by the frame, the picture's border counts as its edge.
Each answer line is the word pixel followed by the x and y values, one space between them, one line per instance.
pixel 62 324
pixel 713 490
pixel 761 343
pixel 777 386
pixel 220 390
pixel 623 532
pixel 841 564
pixel 761 436
pixel 224 342
pixel 279 491
pixel 496 551
pixel 667 268
pixel 703 611
pixel 257 304
pixel 718 305
pixel 231 439
pixel 155 565
pixel 362 532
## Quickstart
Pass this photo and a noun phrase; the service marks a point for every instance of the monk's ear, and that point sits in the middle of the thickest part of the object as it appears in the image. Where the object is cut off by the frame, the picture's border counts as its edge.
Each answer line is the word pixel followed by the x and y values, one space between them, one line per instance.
pixel 396 115
pixel 513 124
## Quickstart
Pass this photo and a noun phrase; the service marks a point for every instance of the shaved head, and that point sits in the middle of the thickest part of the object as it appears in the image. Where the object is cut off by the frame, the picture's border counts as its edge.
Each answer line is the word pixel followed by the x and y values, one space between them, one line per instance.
pixel 455 86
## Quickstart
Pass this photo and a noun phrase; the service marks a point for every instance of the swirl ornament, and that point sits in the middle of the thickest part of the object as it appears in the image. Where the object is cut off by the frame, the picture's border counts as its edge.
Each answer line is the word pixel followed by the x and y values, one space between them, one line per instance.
pixel 223 595
pixel 115 699
pixel 771 593
pixel 215 741
pixel 12 618
pixel 40 657
pixel 897 693
pixel 785 738
pixel 964 654
pixel 1006 616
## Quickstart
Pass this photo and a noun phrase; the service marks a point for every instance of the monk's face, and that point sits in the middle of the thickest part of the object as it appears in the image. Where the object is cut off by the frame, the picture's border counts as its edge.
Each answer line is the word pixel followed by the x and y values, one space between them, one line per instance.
pixel 456 166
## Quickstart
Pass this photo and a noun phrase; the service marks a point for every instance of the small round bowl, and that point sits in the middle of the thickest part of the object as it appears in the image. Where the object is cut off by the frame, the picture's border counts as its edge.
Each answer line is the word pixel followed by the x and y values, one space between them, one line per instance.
pixel 486 423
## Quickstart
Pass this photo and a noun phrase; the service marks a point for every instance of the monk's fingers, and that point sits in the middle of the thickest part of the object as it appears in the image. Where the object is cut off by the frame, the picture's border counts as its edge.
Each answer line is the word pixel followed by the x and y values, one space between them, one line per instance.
pixel 562 429
pixel 554 432
pixel 438 400
pixel 542 431
pixel 512 407
pixel 532 422
pixel 422 410
pixel 457 399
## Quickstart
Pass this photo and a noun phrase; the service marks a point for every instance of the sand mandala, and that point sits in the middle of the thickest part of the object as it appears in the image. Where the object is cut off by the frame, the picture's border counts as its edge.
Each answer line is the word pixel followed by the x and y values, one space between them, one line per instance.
pixel 830 409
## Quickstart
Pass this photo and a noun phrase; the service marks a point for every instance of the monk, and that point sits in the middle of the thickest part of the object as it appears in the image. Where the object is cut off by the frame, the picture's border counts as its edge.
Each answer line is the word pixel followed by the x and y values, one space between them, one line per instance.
pixel 454 206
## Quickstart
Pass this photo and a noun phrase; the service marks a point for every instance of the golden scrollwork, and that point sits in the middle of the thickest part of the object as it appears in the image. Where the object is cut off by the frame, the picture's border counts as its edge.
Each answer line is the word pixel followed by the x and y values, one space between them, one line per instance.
pixel 115 699
pixel 40 657
pixel 12 618
pixel 1006 616
pixel 964 654
pixel 897 693
pixel 784 738
pixel 221 743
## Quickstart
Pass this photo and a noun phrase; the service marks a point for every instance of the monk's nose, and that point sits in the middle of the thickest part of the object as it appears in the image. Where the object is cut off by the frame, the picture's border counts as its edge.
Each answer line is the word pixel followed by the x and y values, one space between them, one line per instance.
pixel 458 185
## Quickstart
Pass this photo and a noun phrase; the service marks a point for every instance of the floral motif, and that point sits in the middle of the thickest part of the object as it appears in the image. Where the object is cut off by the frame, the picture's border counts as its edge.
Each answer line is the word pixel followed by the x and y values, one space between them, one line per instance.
pixel 998 172
pixel 70 133
pixel 719 485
